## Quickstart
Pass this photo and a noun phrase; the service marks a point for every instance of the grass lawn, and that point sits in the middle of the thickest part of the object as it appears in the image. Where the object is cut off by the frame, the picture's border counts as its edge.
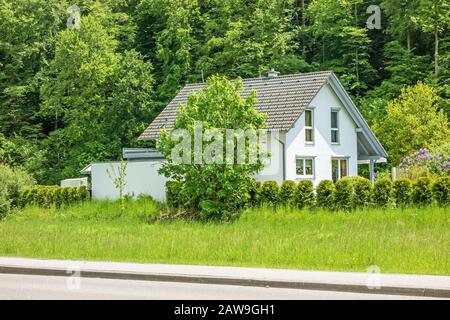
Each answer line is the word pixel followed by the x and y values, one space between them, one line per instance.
pixel 398 241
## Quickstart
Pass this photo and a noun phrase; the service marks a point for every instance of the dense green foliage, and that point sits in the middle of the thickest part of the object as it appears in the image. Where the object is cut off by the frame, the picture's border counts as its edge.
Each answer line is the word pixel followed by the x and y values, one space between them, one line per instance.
pixel 12 183
pixel 72 96
pixel 413 120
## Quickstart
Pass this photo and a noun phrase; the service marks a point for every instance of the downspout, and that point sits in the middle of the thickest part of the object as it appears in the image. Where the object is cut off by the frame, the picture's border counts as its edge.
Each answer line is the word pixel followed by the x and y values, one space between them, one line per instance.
pixel 283 147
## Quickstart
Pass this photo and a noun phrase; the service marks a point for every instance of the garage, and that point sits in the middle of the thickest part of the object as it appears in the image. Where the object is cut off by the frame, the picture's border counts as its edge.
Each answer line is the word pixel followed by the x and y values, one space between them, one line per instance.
pixel 141 175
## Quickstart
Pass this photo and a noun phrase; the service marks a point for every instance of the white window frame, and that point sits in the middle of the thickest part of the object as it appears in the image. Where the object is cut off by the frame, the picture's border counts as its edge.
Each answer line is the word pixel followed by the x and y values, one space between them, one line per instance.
pixel 339 159
pixel 335 110
pixel 311 127
pixel 313 166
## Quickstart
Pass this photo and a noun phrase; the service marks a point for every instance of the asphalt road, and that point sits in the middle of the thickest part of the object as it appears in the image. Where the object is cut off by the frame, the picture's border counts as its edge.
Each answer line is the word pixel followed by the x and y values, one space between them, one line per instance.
pixel 49 287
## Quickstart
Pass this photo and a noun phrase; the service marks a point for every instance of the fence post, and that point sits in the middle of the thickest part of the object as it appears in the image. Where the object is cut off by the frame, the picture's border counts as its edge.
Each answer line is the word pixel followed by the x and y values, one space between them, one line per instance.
pixel 394 173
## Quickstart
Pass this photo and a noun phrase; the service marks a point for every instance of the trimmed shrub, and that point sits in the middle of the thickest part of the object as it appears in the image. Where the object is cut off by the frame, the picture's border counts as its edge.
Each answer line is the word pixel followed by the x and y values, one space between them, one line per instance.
pixel 48 196
pixel 255 193
pixel 325 194
pixel 362 192
pixel 287 193
pixel 401 192
pixel 422 194
pixel 343 195
pixel 381 193
pixel 441 191
pixel 270 193
pixel 304 195
pixel 83 194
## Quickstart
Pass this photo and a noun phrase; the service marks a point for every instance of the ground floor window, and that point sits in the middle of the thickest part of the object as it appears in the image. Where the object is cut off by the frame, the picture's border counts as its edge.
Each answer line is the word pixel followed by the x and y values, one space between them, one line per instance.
pixel 339 168
pixel 304 167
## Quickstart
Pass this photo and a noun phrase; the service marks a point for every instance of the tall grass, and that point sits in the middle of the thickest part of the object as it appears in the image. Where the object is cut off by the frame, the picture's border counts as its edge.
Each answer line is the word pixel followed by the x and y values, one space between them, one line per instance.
pixel 398 241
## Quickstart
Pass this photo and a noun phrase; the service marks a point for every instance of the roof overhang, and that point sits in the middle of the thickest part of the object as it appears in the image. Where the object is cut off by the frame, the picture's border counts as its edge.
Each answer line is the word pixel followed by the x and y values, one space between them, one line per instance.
pixel 141 153
pixel 86 170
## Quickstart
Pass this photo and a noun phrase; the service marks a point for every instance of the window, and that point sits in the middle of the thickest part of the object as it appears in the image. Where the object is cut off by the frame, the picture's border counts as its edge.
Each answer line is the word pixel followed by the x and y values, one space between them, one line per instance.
pixel 339 169
pixel 309 127
pixel 334 126
pixel 304 167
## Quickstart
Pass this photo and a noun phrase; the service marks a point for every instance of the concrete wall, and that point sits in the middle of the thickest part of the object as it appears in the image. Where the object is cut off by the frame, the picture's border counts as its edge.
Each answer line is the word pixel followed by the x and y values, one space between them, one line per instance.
pixel 322 149
pixel 142 178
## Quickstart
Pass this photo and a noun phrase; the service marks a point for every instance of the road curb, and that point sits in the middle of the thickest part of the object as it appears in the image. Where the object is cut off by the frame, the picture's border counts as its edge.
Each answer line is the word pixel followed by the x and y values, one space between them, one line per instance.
pixel 202 279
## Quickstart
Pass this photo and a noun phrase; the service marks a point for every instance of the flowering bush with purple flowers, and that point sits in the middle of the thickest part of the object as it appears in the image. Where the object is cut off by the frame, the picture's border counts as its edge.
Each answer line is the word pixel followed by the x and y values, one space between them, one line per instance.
pixel 423 163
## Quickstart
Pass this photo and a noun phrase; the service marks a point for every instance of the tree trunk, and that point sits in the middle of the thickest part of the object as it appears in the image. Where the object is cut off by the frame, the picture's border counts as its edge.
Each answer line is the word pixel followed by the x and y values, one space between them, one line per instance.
pixel 356 50
pixel 323 50
pixel 408 39
pixel 302 22
pixel 436 52
pixel 303 12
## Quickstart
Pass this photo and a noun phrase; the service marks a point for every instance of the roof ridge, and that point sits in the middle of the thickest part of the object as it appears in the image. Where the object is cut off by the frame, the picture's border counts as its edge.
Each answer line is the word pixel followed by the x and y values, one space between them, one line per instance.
pixel 269 78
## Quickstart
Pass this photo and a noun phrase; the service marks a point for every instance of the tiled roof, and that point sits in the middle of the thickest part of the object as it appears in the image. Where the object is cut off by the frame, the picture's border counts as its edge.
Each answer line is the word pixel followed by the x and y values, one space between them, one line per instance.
pixel 282 98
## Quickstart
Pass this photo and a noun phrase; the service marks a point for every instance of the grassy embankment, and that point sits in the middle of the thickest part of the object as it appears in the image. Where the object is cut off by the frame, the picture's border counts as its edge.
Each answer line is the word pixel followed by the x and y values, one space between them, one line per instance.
pixel 398 241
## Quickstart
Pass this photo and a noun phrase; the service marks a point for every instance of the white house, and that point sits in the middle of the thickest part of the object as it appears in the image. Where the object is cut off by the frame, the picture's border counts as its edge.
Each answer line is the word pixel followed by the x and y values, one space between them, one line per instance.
pixel 315 132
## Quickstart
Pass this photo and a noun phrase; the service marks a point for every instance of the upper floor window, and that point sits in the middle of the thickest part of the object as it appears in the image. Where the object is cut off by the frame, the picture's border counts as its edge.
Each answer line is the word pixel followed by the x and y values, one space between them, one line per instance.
pixel 334 126
pixel 309 126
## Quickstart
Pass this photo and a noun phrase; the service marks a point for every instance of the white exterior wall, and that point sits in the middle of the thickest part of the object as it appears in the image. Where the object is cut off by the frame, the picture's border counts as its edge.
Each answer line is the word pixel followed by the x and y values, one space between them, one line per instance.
pixel 322 149
pixel 142 178
pixel 274 165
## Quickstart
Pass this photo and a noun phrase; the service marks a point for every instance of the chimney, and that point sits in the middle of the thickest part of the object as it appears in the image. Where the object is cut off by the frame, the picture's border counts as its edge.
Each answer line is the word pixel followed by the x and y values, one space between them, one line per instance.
pixel 273 74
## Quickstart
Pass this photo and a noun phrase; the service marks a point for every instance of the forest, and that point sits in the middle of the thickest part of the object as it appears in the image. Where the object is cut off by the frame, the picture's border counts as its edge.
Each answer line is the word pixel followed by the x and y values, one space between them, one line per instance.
pixel 80 80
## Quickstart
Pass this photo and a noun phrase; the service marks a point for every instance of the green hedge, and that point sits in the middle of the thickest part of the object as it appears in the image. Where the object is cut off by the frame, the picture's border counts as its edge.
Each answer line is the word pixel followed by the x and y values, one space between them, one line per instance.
pixel 343 195
pixel 325 194
pixel 346 194
pixel 422 194
pixel 287 193
pixel 304 195
pixel 401 192
pixel 362 191
pixel 48 196
pixel 255 193
pixel 270 193
pixel 382 192
pixel 441 191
